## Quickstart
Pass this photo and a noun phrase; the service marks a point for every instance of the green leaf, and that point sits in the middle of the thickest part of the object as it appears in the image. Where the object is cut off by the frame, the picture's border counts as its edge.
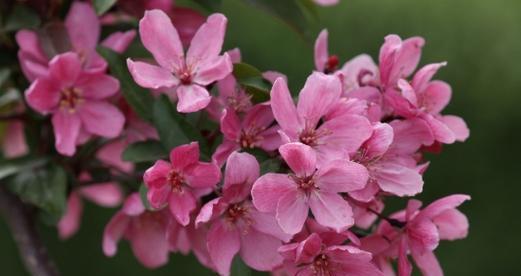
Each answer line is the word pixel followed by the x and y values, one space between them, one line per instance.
pixel 13 166
pixel 138 98
pixel 173 128
pixel 143 190
pixel 270 165
pixel 44 187
pixel 21 17
pixel 250 78
pixel 10 96
pixel 102 6
pixel 145 151
pixel 4 75
pixel 210 5
pixel 239 268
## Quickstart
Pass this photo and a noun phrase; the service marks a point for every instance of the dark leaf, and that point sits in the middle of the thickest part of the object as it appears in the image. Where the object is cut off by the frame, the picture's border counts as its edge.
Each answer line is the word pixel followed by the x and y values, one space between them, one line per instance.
pixel 145 151
pixel 250 78
pixel 210 5
pixel 102 6
pixel 138 98
pixel 13 166
pixel 143 190
pixel 239 268
pixel 21 17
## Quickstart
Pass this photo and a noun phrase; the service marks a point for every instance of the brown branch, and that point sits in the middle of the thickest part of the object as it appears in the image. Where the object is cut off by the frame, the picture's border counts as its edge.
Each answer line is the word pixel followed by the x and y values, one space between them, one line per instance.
pixel 20 221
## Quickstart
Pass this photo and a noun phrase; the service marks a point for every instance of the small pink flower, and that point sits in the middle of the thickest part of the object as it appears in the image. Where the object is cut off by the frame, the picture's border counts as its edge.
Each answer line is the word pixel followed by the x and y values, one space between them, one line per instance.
pixel 290 196
pixel 181 182
pixel 13 144
pixel 231 96
pixel 191 74
pixel 333 139
pixel 146 231
pixel 314 257
pixel 81 35
pixel 77 101
pixel 254 131
pixel 236 226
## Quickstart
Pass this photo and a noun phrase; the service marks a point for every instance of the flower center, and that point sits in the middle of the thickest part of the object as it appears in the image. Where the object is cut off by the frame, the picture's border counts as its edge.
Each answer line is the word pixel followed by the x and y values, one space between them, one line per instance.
pixel 309 137
pixel 250 137
pixel 70 99
pixel 239 103
pixel 320 265
pixel 305 183
pixel 185 77
pixel 236 212
pixel 331 64
pixel 175 180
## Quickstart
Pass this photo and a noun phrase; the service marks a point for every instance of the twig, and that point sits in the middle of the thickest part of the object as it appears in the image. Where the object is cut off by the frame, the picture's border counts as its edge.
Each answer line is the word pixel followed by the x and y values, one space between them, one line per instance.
pixel 20 221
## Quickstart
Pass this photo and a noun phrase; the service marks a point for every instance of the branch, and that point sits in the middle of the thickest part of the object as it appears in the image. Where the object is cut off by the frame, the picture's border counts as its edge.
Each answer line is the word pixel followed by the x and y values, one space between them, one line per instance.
pixel 19 219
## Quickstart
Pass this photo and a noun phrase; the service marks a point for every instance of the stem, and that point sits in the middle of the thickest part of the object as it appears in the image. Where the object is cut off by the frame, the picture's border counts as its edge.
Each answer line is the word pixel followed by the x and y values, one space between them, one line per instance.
pixel 391 221
pixel 31 248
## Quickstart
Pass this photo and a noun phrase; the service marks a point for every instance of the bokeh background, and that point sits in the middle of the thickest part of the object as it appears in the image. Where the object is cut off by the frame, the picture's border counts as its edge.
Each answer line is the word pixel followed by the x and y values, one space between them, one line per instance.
pixel 480 39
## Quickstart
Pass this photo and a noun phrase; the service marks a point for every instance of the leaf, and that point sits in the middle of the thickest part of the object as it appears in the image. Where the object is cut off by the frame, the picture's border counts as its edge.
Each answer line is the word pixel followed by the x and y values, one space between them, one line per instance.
pixel 21 17
pixel 145 151
pixel 210 5
pixel 143 190
pixel 251 79
pixel 102 6
pixel 239 268
pixel 295 13
pixel 173 128
pixel 44 187
pixel 4 75
pixel 10 96
pixel 270 165
pixel 138 98
pixel 13 166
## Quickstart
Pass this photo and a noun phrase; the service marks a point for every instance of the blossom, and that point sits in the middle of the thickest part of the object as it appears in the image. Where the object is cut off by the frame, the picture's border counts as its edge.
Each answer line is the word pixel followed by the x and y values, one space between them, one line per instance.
pixel 313 256
pixel 326 2
pixel 333 139
pixel 146 231
pixel 77 100
pixel 181 181
pixel 80 34
pixel 236 226
pixel 290 196
pixel 254 131
pixel 191 74
pixel 421 233
pixel 13 144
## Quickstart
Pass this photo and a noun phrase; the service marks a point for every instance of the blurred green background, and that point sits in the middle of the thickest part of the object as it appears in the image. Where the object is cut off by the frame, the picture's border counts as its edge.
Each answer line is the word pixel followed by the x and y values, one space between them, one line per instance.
pixel 480 39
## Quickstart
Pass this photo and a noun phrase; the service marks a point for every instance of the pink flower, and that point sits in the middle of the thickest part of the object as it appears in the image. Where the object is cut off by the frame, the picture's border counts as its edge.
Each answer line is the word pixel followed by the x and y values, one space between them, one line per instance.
pixel 180 182
pixel 13 144
pixel 77 101
pixel 231 96
pixel 333 139
pixel 323 61
pixel 236 226
pixel 103 194
pixel 425 99
pixel 191 74
pixel 80 35
pixel 387 171
pixel 254 131
pixel 146 231
pixel 290 196
pixel 314 257
pixel 326 2
pixel 421 233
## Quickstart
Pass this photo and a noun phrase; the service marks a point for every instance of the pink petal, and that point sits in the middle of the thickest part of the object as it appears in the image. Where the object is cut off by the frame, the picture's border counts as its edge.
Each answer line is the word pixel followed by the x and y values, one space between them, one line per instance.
pixel 242 169
pixel 292 211
pixel 427 263
pixel 308 249
pixel 43 95
pixel 266 223
pixel 230 125
pixel 352 261
pixel 31 67
pixel 331 210
pixel 300 158
pixel 259 116
pixel 83 27
pixel 192 98
pixel 14 144
pixel 341 176
pixel 70 222
pixel 321 50
pixel 318 96
pixel 185 155
pixel 181 205
pixel 326 2
pixel 29 43
pixel 203 175
pixel 259 251
pixel 223 151
pixel 408 57
pixel 208 41
pixel 441 205
pixel 458 127
pixel 283 107
pixel 268 189
pixel 272 76
pixel 354 67
pixel 271 139
pixel 160 38
pixel 66 130
pixel 424 75
pixel 213 69
pixel 148 242
pixel 97 86
pixel 102 118
pixel 436 96
pixel 223 244
pixel 404 266
pixel 441 132
pixel 155 176
pixel 408 92
pixel 452 225
pixel 209 210
pixel 380 141
pixel 410 135
pixel 111 153
pixel 187 22
pixel 151 76
pixel 159 196
pixel 133 206
pixel 119 41
pixel 113 232
pixel 65 69
pixel 423 235
pixel 106 194
pixel 397 179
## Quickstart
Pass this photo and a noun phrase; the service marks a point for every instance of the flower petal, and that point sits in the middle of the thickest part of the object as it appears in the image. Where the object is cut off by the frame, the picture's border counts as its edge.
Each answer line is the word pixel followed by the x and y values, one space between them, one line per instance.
pixel 97 86
pixel 192 98
pixel 331 210
pixel 427 263
pixel 300 158
pixel 151 76
pixel 208 41
pixel 223 244
pixel 321 51
pixel 102 118
pixel 65 69
pixel 66 130
pixel 213 69
pixel 185 155
pixel 181 204
pixel 269 189
pixel 292 211
pixel 341 176
pixel 458 127
pixel 113 232
pixel 43 95
pixel 242 169
pixel 230 125
pixel 119 41
pixel 319 94
pixel 70 221
pixel 83 27
pixel 155 176
pixel 105 194
pixel 148 241
pixel 436 96
pixel 203 175
pixel 259 251
pixel 397 179
pixel 283 107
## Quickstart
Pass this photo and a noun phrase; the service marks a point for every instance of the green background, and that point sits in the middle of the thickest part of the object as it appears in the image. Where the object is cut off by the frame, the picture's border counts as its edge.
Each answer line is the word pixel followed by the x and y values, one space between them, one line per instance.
pixel 481 40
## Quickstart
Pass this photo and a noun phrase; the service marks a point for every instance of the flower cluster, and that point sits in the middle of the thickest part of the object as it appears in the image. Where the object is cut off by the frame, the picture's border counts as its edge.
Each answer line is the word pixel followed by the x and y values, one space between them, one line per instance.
pixel 293 187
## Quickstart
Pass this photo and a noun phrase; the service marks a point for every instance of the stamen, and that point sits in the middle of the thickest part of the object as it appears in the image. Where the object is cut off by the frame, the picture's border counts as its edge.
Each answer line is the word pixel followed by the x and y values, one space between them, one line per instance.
pixel 176 181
